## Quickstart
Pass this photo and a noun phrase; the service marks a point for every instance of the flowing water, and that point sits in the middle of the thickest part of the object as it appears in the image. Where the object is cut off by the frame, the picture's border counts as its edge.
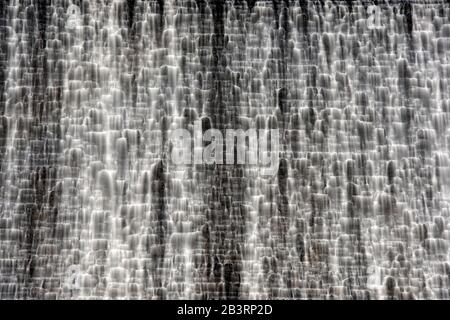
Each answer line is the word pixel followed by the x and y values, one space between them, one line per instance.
pixel 91 207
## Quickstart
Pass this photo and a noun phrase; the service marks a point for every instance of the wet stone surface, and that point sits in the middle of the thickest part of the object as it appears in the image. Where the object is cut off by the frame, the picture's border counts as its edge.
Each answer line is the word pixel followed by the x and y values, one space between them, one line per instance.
pixel 91 207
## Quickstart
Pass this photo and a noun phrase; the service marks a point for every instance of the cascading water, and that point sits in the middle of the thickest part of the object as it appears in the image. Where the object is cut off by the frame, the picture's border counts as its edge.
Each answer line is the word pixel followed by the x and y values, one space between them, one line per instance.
pixel 93 207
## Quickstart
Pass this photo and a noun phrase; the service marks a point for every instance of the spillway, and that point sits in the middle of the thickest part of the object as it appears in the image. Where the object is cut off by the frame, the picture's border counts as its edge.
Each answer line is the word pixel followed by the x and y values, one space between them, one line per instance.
pixel 92 205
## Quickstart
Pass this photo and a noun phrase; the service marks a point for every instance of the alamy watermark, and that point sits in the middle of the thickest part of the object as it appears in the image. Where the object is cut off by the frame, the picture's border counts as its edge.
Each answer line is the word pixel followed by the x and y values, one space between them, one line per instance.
pixel 251 147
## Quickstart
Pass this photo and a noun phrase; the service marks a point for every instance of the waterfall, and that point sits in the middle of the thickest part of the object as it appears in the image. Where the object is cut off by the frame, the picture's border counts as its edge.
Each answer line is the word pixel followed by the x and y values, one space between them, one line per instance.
pixel 99 101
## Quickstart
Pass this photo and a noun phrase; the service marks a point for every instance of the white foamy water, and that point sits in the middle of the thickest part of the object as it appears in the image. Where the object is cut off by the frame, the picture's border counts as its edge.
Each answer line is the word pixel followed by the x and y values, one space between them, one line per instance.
pixel 92 207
